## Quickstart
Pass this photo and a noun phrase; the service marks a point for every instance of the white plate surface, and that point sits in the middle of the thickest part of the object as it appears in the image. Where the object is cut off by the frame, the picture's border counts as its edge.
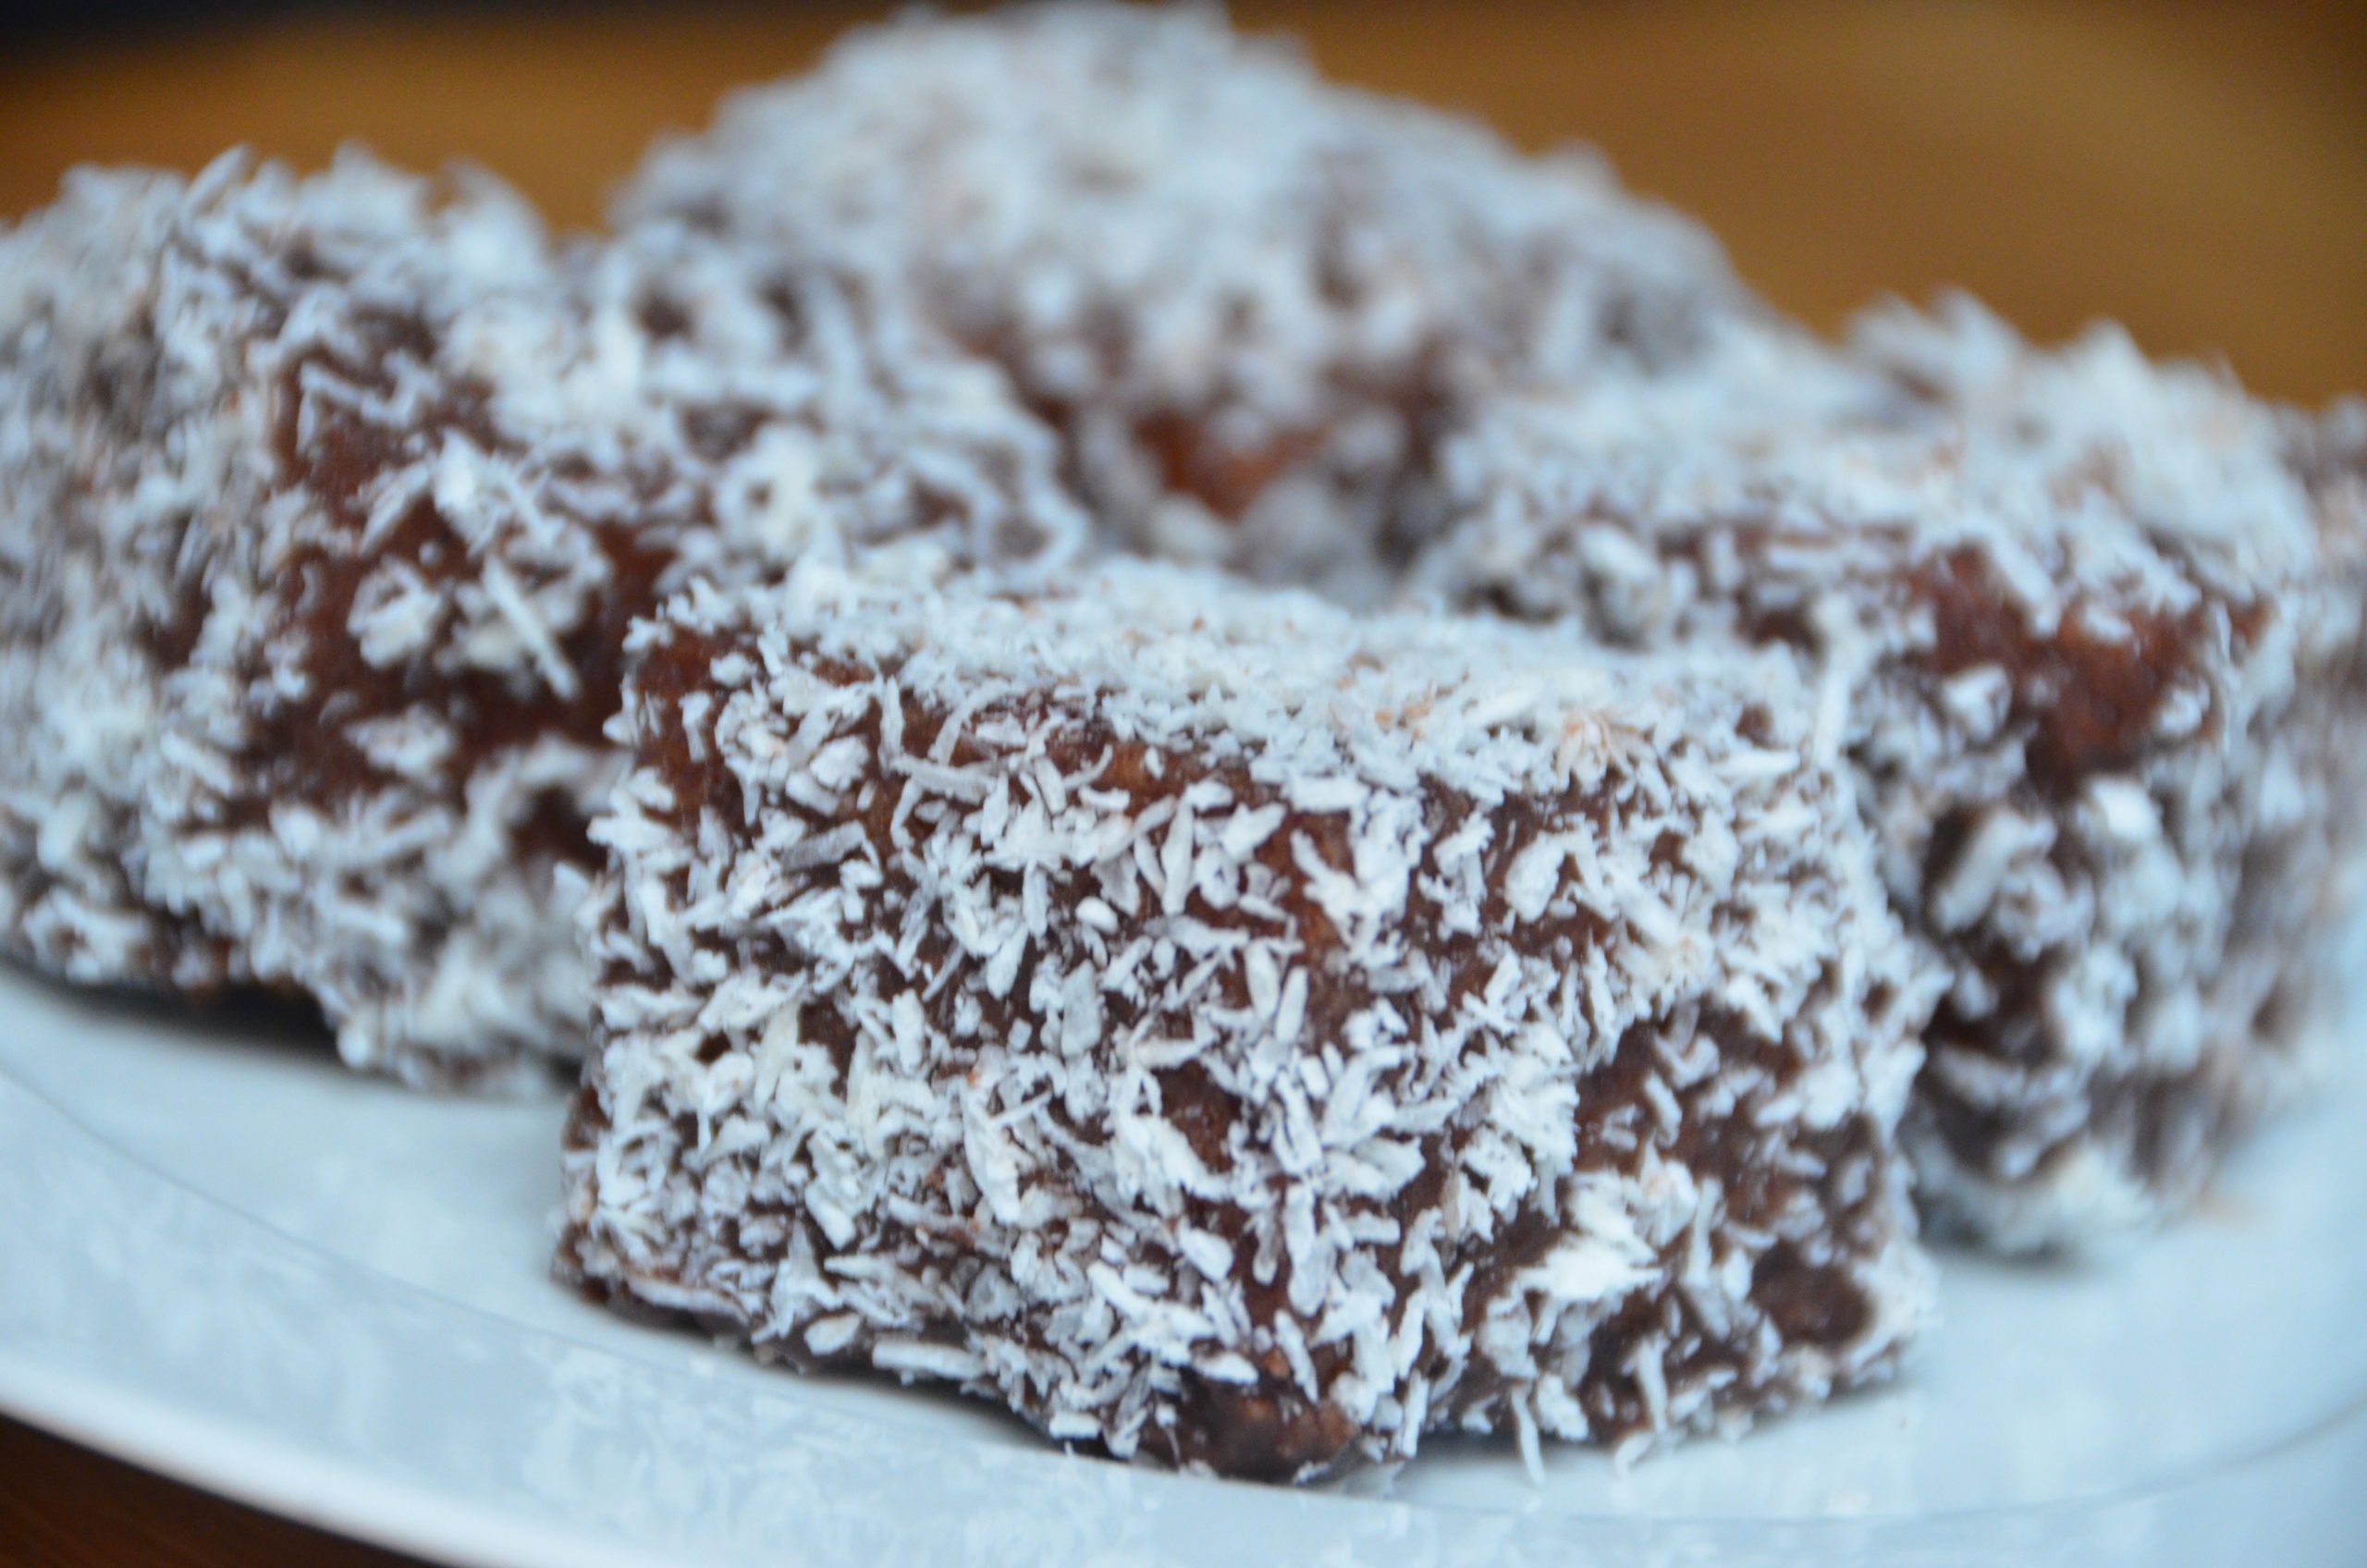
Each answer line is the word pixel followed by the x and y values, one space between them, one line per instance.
pixel 222 1257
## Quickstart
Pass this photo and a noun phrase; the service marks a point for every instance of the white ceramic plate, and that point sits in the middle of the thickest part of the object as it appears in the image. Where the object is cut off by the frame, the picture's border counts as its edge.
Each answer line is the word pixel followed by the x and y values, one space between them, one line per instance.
pixel 223 1257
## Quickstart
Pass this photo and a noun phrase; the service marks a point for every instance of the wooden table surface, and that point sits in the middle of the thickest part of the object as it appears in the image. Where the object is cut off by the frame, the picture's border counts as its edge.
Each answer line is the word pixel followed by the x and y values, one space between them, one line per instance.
pixel 2197 170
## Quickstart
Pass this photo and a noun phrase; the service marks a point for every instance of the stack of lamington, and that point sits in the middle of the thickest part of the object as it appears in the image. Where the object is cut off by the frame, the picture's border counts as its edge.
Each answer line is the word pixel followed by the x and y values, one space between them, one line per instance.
pixel 1190 748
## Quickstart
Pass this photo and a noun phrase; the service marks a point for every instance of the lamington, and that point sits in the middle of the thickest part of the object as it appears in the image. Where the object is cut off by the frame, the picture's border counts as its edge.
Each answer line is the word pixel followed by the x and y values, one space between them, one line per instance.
pixel 2090 631
pixel 1253 300
pixel 1240 1035
pixel 325 505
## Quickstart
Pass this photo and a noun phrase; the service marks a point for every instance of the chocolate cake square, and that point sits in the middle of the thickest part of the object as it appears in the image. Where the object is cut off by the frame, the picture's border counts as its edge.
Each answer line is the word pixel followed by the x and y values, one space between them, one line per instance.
pixel 1238 1033
pixel 2090 631
pixel 325 505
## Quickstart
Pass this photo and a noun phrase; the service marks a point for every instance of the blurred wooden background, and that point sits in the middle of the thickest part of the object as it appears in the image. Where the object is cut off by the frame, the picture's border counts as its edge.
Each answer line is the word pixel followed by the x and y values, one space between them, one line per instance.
pixel 2198 170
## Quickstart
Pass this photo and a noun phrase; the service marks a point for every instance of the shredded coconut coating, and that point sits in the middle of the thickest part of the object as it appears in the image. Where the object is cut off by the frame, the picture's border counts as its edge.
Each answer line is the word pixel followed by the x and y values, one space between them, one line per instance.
pixel 325 505
pixel 1253 301
pixel 2090 631
pixel 1239 1035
